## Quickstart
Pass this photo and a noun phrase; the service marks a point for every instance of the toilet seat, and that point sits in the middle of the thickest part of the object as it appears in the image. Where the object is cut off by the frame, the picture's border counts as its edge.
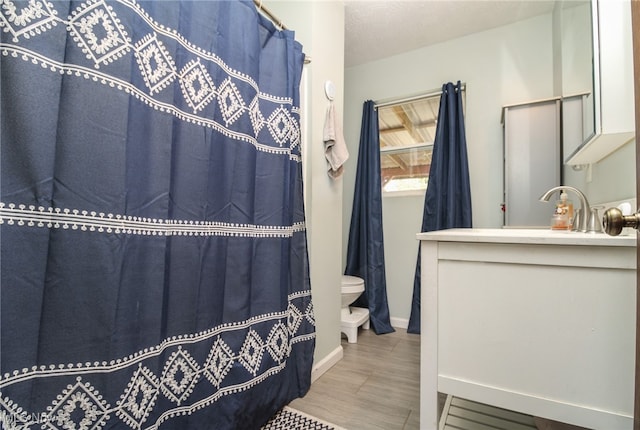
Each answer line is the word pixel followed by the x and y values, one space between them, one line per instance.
pixel 352 284
pixel 351 280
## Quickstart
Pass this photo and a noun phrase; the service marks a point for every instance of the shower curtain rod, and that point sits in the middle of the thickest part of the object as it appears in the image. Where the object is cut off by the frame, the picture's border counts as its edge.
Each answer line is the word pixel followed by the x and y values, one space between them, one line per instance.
pixel 411 99
pixel 277 21
pixel 269 14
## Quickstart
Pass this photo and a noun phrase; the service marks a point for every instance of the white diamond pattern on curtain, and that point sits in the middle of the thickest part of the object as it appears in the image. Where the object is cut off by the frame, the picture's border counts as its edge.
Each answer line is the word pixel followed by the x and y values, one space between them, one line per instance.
pixel 156 65
pixel 139 398
pixel 197 86
pixel 78 406
pixel 28 20
pixel 179 376
pixel 278 343
pixel 251 353
pixel 230 100
pixel 98 32
pixel 219 362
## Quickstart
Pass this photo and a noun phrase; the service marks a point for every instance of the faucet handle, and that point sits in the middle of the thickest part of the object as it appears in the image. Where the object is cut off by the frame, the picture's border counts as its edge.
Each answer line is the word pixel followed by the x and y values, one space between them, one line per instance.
pixel 594 225
pixel 577 219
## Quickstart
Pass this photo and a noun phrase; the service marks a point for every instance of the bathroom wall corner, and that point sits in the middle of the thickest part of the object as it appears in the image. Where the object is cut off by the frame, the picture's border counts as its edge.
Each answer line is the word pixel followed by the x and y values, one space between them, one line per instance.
pixel 310 20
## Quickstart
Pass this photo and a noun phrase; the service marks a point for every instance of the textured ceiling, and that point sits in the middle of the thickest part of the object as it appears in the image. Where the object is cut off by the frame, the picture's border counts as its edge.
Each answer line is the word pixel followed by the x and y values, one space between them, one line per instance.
pixel 377 29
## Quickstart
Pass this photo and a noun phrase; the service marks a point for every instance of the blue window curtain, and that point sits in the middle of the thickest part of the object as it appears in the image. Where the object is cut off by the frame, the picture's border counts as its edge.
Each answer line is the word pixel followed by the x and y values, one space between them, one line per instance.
pixel 447 202
pixel 154 263
pixel 365 250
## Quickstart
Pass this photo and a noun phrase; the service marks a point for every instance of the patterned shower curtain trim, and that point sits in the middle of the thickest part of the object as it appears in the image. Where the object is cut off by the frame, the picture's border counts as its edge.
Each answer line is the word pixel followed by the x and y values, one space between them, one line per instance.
pixel 285 330
pixel 196 83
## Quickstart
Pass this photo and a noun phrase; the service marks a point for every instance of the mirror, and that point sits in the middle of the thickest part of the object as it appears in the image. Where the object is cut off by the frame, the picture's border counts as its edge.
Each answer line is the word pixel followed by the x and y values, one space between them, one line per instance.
pixel 597 83
pixel 577 55
pixel 597 91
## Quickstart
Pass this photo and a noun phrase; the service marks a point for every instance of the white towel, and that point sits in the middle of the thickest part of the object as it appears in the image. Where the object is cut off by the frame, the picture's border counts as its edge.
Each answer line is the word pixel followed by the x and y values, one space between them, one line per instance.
pixel 335 148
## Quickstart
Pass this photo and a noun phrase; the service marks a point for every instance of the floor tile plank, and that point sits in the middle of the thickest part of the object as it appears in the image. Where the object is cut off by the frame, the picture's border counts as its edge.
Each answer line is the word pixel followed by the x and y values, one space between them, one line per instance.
pixel 376 386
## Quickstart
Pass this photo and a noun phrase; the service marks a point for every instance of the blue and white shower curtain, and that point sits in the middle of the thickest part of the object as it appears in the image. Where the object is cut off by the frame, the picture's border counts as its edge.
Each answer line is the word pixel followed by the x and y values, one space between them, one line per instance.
pixel 154 270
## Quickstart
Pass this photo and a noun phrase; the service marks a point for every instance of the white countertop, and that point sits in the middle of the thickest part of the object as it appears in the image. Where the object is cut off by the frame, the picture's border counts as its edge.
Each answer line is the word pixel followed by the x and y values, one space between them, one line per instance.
pixel 527 236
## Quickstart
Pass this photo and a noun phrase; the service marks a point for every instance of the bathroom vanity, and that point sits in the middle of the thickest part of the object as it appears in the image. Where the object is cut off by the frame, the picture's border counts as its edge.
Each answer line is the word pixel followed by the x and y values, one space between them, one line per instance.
pixel 534 321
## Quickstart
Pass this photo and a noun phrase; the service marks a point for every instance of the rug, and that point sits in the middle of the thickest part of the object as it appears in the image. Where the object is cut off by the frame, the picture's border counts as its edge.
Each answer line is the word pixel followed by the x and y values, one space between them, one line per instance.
pixel 293 419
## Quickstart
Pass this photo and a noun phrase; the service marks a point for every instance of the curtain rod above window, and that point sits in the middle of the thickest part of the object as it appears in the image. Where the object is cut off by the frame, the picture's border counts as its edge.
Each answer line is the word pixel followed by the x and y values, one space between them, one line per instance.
pixel 276 21
pixel 412 99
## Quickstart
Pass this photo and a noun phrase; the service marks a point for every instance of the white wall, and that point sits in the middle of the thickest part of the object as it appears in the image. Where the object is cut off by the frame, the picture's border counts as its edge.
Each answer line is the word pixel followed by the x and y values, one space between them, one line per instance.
pixel 611 179
pixel 319 26
pixel 506 65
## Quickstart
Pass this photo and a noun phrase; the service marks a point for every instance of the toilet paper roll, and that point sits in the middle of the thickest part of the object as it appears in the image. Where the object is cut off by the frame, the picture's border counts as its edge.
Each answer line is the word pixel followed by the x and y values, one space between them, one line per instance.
pixel 625 208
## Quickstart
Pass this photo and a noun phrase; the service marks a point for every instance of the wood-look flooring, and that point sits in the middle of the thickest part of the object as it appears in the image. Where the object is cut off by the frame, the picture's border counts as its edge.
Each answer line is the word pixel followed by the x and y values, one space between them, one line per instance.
pixel 376 386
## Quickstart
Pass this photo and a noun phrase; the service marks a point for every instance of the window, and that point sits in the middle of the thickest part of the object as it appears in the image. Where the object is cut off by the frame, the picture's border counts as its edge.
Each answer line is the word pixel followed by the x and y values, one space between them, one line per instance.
pixel 407 131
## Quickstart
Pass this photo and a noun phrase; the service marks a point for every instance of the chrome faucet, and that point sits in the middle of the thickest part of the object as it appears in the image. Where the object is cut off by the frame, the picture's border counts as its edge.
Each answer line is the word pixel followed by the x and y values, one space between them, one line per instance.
pixel 588 219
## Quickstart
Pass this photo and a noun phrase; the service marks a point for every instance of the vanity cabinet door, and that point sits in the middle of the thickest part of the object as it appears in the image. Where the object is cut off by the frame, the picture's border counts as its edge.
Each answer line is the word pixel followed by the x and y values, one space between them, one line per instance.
pixel 532 161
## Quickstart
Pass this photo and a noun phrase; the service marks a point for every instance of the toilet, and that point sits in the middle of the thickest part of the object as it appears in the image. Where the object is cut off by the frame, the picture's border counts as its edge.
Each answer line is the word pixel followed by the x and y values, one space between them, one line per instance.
pixel 352 317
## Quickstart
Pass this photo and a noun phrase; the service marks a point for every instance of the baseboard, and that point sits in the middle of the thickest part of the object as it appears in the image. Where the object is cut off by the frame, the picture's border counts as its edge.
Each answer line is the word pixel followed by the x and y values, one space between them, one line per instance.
pixel 399 322
pixel 326 363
